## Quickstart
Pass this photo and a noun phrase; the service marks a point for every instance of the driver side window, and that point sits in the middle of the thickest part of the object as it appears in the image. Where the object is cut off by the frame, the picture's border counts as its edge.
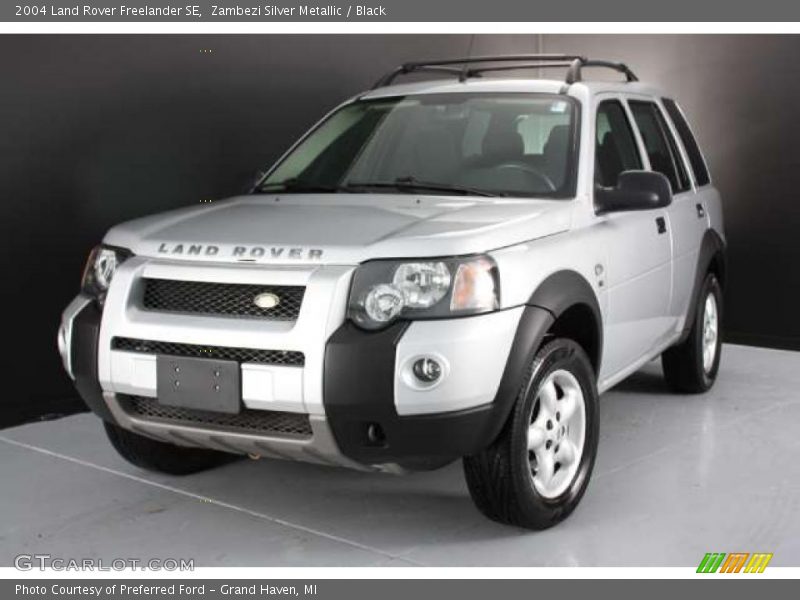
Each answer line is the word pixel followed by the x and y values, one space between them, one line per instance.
pixel 615 145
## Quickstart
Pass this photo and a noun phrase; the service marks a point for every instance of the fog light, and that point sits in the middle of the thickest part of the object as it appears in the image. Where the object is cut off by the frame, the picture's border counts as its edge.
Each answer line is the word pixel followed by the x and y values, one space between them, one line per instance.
pixel 375 435
pixel 427 370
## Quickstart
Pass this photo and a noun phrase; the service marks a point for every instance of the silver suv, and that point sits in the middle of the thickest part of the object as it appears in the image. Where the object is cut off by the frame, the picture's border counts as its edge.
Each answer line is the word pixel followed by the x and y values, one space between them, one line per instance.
pixel 438 270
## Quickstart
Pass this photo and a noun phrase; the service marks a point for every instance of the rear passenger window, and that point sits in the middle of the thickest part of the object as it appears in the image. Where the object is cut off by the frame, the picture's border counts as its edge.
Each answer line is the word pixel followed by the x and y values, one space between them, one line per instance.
pixel 615 146
pixel 661 146
pixel 689 142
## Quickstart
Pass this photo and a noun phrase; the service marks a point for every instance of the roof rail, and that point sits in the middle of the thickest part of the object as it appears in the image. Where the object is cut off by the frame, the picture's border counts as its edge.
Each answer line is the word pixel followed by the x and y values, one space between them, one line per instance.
pixel 574 72
pixel 461 66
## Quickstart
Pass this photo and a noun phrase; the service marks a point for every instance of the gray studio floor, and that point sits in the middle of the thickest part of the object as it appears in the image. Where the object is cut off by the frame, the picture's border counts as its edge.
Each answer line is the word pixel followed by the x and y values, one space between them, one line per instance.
pixel 676 477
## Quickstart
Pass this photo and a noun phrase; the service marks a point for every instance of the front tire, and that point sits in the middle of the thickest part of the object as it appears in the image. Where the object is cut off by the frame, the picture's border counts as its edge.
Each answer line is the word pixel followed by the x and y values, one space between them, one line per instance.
pixel 691 367
pixel 536 472
pixel 161 457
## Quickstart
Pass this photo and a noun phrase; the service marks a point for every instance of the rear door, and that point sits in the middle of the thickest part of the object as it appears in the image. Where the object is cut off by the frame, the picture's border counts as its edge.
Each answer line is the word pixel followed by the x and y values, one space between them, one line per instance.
pixel 638 249
pixel 691 215
pixel 686 213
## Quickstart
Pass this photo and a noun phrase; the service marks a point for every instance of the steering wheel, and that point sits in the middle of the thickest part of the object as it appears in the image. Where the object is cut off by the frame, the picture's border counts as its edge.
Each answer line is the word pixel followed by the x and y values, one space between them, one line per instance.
pixel 529 170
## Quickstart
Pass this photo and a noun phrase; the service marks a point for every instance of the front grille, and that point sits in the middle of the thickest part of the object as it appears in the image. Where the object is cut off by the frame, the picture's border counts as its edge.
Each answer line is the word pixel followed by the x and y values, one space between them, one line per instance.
pixel 226 299
pixel 247 421
pixel 286 358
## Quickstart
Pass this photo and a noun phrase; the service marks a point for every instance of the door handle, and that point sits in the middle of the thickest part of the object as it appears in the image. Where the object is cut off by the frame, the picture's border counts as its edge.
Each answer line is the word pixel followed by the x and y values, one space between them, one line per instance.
pixel 661 225
pixel 701 211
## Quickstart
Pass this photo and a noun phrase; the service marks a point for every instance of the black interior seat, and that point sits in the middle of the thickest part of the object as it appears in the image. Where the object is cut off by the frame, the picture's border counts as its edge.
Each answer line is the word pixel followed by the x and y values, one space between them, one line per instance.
pixel 555 153
pixel 609 161
pixel 502 142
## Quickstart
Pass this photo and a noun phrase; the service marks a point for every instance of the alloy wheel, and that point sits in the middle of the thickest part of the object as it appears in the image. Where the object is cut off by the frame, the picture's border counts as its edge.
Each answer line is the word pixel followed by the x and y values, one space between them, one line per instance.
pixel 556 434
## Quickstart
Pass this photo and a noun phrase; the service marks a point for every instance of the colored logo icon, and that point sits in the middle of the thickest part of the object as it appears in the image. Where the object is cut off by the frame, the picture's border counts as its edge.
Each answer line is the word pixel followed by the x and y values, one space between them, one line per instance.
pixel 735 562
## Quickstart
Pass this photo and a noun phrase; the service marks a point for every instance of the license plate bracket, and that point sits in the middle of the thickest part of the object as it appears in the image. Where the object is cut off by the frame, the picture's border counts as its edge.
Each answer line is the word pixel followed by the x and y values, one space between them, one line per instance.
pixel 199 383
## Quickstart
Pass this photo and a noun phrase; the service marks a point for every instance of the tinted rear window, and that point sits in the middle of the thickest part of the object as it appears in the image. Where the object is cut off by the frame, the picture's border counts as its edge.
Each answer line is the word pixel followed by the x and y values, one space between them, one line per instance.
pixel 689 142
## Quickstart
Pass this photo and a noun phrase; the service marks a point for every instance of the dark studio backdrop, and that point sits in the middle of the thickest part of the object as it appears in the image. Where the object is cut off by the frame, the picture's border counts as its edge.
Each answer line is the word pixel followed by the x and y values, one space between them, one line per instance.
pixel 99 129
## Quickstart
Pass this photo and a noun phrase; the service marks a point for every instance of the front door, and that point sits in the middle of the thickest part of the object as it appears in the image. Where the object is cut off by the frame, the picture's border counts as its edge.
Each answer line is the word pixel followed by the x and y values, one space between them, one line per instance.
pixel 638 269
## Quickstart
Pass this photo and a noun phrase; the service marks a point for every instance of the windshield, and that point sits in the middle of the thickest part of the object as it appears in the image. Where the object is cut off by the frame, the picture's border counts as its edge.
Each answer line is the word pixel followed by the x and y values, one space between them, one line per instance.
pixel 482 144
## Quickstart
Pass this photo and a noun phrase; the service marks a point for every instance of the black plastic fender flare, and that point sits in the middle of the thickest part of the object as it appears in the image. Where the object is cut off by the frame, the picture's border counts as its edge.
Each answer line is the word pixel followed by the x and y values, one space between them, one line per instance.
pixel 712 247
pixel 565 289
pixel 554 296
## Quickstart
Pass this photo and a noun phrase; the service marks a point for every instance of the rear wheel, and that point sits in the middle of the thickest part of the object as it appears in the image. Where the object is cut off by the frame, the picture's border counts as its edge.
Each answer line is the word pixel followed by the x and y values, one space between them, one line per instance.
pixel 691 367
pixel 162 457
pixel 537 470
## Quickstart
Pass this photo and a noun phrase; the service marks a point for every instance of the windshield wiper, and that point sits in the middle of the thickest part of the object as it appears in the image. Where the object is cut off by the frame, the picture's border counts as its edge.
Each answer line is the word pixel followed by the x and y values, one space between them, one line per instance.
pixel 406 184
pixel 412 184
pixel 296 186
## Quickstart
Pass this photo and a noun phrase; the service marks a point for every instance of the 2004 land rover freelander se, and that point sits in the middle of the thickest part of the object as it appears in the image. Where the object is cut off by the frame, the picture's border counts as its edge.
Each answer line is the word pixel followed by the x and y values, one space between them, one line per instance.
pixel 444 269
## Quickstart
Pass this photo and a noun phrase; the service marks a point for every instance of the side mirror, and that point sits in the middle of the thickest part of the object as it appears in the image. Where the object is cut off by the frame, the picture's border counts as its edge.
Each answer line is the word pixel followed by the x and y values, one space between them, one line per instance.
pixel 636 190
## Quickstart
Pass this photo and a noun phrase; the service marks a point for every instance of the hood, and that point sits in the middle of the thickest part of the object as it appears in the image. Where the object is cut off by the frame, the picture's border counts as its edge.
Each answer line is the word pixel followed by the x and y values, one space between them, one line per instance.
pixel 340 228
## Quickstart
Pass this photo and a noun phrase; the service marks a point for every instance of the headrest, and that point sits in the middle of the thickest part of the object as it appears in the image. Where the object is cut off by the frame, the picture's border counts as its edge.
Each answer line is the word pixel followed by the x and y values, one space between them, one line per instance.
pixel 502 141
pixel 557 142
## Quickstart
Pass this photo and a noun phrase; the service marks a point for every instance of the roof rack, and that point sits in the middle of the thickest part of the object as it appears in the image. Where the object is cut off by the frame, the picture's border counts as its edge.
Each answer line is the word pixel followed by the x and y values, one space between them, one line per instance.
pixel 461 66
pixel 574 73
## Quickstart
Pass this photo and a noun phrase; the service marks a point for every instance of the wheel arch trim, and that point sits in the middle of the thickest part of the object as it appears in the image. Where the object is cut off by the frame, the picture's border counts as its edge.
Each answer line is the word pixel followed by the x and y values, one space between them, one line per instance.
pixel 565 290
pixel 712 252
pixel 555 295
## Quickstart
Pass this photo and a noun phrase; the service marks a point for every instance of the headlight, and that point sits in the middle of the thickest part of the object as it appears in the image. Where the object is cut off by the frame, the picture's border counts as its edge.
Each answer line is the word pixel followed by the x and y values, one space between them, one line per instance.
pixel 385 290
pixel 100 268
pixel 422 284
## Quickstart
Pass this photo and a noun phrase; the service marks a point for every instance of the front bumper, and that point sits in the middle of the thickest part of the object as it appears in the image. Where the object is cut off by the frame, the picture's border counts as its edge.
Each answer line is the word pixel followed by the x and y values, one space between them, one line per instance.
pixel 365 391
pixel 361 409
